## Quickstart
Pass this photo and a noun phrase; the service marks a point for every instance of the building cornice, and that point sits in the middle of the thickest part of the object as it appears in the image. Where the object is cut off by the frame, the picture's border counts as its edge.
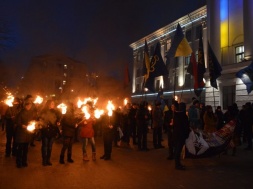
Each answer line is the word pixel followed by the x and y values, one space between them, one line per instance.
pixel 186 20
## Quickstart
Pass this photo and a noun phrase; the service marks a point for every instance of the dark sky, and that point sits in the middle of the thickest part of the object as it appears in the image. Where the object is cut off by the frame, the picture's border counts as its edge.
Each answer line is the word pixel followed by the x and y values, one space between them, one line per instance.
pixel 96 32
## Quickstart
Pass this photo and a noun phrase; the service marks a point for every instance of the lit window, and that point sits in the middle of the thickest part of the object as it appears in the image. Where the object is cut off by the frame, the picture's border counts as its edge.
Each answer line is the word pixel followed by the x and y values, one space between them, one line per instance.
pixel 64 82
pixel 239 54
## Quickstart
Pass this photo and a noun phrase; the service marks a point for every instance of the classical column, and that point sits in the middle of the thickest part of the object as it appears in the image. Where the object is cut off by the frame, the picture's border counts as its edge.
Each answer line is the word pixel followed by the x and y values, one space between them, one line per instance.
pixel 213 25
pixel 248 28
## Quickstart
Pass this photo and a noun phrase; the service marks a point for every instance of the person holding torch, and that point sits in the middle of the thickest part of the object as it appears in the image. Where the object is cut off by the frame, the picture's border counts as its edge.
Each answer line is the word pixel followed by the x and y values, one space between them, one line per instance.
pixel 50 121
pixel 24 132
pixel 68 126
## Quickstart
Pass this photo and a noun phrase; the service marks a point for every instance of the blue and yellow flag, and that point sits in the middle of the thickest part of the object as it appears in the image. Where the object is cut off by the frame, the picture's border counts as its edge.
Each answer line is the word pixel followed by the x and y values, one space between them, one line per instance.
pixel 246 75
pixel 180 45
pixel 157 68
pixel 214 67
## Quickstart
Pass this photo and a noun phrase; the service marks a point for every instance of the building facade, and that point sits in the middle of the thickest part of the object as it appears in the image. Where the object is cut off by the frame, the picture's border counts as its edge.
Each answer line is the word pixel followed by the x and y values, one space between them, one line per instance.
pixel 227 26
pixel 54 76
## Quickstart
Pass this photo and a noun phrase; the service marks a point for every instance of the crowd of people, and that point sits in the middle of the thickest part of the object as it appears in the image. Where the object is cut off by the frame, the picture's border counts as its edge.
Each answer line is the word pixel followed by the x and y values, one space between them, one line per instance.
pixel 128 124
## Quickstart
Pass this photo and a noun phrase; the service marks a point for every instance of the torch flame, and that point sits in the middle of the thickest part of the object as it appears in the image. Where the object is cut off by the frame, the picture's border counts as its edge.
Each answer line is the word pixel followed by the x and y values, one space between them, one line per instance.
pixel 89 99
pixel 110 107
pixel 31 126
pixel 86 112
pixel 38 100
pixel 125 101
pixel 98 113
pixel 63 108
pixel 9 100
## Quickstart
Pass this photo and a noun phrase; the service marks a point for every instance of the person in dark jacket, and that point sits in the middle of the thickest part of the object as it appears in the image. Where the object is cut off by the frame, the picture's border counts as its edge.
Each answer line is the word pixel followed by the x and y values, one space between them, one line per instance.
pixel 168 120
pixel 180 133
pixel 68 126
pixel 142 118
pixel 157 115
pixel 23 135
pixel 110 125
pixel 132 122
pixel 10 116
pixel 220 116
pixel 50 120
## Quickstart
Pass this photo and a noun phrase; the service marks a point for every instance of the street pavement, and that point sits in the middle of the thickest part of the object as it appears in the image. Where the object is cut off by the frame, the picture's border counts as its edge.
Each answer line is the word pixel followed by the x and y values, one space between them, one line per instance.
pixel 128 169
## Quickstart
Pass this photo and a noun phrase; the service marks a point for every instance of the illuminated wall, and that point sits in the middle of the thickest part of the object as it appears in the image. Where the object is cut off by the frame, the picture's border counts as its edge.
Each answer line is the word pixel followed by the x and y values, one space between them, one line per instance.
pixel 224 23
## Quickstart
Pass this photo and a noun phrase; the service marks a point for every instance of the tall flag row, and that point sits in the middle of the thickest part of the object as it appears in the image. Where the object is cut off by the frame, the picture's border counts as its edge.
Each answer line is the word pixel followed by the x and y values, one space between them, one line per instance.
pixel 181 47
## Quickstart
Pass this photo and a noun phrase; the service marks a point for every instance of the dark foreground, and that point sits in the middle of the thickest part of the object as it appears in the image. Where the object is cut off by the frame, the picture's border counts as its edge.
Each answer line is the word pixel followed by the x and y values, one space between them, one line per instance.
pixel 128 168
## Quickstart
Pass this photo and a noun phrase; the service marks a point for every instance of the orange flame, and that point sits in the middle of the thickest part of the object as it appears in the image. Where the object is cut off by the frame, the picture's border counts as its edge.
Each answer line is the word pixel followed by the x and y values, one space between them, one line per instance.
pixel 80 103
pixel 63 108
pixel 125 101
pixel 9 100
pixel 38 100
pixel 98 113
pixel 86 112
pixel 31 126
pixel 110 107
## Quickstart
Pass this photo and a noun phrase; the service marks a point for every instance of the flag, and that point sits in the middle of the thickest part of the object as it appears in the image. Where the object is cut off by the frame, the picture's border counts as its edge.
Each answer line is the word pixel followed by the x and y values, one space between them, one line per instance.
pixel 126 77
pixel 157 68
pixel 180 45
pixel 214 67
pixel 146 62
pixel 201 63
pixel 193 70
pixel 246 75
pixel 197 70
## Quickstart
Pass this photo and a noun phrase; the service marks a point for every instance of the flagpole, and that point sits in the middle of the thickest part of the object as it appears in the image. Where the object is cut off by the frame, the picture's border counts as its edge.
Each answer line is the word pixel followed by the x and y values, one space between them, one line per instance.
pixel 175 75
pixel 184 82
pixel 214 99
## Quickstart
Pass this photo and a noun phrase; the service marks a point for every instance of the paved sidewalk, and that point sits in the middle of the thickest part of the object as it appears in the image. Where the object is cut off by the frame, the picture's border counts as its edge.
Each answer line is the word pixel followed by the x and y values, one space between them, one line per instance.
pixel 128 169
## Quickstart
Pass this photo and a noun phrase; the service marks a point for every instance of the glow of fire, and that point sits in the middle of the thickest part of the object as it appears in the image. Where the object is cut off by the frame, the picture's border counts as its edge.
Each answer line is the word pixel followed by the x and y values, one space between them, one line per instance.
pixel 86 112
pixel 9 100
pixel 31 126
pixel 38 100
pixel 110 107
pixel 125 101
pixel 176 98
pixel 98 113
pixel 80 103
pixel 63 108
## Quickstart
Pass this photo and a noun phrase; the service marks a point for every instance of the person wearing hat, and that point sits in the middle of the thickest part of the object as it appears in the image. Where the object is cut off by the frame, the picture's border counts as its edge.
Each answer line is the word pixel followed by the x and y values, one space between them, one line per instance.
pixel 10 117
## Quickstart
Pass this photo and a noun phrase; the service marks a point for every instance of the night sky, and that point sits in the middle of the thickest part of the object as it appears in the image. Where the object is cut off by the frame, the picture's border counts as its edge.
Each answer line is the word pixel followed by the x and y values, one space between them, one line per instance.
pixel 96 32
